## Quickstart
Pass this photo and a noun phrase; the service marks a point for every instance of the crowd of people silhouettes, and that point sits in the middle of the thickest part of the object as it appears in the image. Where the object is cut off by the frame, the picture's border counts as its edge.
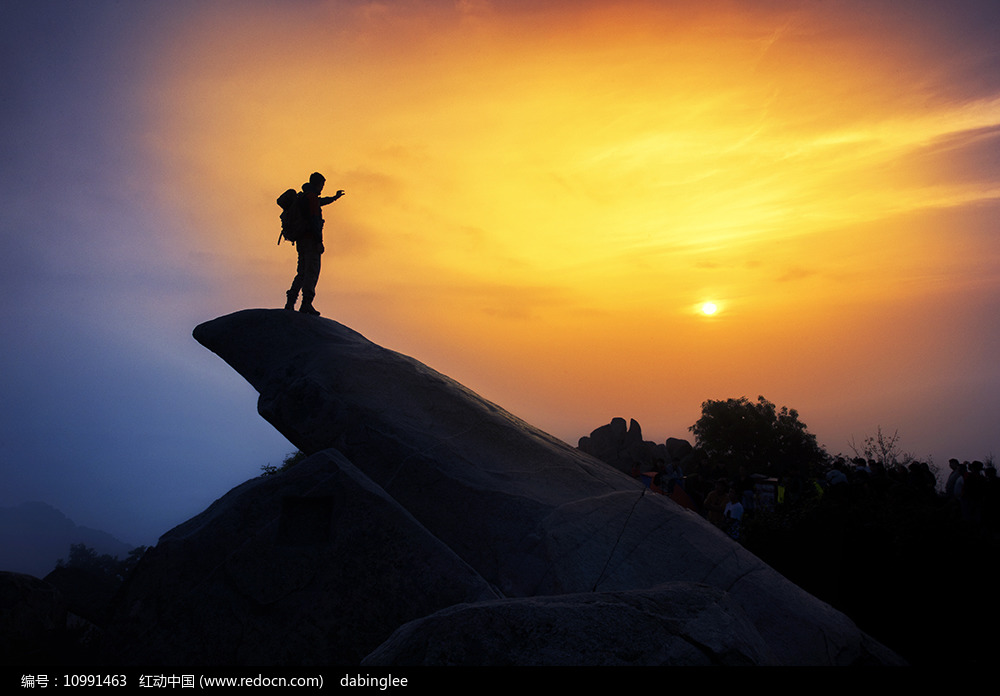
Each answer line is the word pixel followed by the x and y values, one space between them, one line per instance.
pixel 971 492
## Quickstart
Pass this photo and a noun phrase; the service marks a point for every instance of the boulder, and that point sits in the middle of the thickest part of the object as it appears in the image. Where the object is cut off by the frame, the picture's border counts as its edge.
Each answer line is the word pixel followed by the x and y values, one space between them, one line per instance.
pixel 678 450
pixel 526 513
pixel 676 624
pixel 87 591
pixel 32 620
pixel 315 565
pixel 606 442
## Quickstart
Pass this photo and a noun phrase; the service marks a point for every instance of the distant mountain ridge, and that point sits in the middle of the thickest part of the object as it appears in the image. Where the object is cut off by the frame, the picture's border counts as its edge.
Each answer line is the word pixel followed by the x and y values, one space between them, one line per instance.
pixel 34 536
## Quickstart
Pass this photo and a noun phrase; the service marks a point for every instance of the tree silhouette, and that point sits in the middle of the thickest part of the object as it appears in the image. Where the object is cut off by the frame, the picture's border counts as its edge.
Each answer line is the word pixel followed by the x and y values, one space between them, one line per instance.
pixel 882 448
pixel 83 556
pixel 757 435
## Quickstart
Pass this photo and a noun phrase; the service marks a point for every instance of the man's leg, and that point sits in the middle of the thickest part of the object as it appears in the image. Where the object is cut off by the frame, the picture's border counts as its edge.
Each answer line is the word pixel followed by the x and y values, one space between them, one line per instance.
pixel 300 274
pixel 310 276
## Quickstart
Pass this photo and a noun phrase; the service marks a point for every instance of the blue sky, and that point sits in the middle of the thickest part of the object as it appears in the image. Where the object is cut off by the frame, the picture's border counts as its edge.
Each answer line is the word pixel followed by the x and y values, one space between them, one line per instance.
pixel 111 412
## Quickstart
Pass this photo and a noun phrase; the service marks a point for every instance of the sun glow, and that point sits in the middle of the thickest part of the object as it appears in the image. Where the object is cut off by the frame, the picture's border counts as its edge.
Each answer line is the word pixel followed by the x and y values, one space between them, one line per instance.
pixel 526 183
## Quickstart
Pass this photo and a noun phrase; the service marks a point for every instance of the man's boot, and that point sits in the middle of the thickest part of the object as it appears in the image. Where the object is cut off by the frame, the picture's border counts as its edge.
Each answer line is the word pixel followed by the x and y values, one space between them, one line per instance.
pixel 307 308
pixel 290 302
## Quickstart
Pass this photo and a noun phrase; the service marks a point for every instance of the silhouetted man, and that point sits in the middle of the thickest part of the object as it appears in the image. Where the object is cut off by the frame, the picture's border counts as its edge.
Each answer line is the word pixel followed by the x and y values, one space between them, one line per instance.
pixel 310 244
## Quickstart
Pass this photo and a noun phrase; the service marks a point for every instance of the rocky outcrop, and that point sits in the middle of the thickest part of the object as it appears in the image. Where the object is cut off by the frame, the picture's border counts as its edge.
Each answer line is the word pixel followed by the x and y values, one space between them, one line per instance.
pixel 316 565
pixel 624 448
pixel 426 509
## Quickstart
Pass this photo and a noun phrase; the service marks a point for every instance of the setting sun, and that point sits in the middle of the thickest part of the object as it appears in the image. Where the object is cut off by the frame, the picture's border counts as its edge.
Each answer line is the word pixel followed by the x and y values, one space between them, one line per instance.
pixel 709 308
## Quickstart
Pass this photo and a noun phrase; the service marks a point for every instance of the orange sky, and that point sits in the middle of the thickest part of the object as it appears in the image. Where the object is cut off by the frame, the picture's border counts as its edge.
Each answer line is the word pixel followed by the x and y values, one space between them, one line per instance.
pixel 539 200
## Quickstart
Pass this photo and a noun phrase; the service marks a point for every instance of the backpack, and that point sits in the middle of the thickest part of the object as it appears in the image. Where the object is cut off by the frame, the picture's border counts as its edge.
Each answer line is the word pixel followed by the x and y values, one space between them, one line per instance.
pixel 293 222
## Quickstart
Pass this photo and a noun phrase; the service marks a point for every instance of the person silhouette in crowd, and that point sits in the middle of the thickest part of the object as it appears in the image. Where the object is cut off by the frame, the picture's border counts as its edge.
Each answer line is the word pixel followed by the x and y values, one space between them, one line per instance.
pixel 733 513
pixel 715 504
pixel 956 473
pixel 310 244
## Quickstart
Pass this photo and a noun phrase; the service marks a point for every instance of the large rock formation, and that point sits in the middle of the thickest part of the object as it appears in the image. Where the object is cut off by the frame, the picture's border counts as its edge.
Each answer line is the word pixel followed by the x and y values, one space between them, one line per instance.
pixel 491 513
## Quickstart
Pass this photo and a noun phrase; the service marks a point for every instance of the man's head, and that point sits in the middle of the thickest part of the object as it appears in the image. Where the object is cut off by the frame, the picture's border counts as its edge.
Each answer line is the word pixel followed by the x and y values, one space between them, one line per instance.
pixel 317 180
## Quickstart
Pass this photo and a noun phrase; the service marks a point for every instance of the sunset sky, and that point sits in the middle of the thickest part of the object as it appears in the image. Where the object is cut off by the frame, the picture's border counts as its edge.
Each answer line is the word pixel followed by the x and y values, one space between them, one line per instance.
pixel 541 197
